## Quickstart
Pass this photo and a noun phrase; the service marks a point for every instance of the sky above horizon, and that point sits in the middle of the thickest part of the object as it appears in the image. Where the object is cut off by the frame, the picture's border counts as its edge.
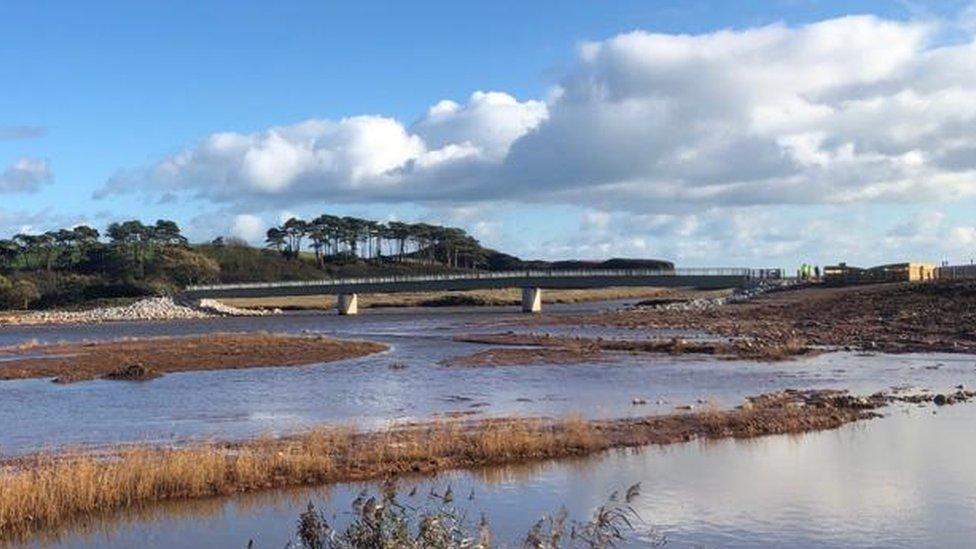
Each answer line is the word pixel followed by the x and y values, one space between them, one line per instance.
pixel 709 132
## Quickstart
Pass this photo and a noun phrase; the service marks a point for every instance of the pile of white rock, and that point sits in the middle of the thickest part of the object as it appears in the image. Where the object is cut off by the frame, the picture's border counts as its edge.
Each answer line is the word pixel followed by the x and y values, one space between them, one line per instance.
pixel 154 308
pixel 743 294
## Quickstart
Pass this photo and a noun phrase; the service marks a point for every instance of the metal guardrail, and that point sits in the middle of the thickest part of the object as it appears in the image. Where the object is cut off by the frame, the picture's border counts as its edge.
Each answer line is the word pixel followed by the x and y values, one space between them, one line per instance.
pixel 752 274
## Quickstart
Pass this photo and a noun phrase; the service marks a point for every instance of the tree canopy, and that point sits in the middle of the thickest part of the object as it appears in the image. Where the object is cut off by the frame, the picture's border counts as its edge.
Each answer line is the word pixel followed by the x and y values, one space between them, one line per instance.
pixel 330 235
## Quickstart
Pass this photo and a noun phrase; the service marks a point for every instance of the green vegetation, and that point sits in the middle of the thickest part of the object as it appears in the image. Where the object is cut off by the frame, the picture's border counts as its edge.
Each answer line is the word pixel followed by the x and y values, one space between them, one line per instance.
pixel 132 259
pixel 76 265
pixel 387 520
pixel 331 236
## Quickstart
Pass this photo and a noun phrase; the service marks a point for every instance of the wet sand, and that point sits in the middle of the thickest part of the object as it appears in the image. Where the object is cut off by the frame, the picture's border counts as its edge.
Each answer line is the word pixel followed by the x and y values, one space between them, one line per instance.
pixel 147 358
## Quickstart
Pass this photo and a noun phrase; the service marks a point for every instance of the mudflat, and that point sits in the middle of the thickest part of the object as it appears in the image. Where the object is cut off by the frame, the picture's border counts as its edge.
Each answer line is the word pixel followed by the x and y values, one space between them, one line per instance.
pixel 546 348
pixel 935 316
pixel 146 358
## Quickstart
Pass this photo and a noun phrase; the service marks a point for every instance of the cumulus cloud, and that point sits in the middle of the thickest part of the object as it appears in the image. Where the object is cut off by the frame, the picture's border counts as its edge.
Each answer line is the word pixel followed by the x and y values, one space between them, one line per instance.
pixel 763 236
pixel 489 123
pixel 25 175
pixel 847 110
pixel 352 158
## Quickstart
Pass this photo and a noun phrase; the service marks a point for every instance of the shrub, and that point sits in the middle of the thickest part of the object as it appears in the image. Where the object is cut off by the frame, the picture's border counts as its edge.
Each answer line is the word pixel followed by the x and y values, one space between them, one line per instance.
pixel 185 267
pixel 17 294
pixel 386 521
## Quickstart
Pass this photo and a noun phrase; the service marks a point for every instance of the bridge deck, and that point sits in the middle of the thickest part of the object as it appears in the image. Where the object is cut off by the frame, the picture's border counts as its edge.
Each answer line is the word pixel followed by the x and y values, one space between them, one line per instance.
pixel 697 278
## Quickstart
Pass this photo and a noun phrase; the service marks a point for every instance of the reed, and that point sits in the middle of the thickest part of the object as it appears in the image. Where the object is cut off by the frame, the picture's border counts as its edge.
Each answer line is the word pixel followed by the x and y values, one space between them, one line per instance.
pixel 48 490
pixel 53 489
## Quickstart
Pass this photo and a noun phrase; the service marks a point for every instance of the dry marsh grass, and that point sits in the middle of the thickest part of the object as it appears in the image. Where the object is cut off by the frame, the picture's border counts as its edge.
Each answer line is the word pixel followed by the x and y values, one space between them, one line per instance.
pixel 49 490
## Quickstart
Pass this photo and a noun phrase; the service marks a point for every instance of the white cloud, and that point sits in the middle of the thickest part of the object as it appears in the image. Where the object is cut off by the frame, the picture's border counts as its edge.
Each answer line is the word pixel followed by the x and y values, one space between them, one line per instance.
pixel 491 122
pixel 769 236
pixel 25 175
pixel 352 158
pixel 249 227
pixel 848 110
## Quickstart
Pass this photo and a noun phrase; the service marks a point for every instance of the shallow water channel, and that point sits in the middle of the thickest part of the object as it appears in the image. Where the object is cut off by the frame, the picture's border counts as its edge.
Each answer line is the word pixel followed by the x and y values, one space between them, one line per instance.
pixel 902 480
pixel 905 480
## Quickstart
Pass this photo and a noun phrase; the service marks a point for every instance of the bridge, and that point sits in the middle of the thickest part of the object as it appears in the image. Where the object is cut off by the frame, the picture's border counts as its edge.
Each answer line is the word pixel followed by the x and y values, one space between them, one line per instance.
pixel 531 282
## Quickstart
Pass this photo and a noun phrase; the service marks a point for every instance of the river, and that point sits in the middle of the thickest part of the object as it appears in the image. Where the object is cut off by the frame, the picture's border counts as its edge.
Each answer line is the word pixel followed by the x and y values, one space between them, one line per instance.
pixel 900 480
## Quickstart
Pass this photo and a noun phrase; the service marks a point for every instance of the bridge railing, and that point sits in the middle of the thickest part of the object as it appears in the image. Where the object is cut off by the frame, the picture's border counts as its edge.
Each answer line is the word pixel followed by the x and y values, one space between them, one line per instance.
pixel 730 272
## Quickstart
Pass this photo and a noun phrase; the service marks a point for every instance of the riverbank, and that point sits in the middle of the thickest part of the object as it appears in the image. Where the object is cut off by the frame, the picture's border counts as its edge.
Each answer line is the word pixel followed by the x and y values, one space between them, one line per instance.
pixel 140 359
pixel 45 490
pixel 893 318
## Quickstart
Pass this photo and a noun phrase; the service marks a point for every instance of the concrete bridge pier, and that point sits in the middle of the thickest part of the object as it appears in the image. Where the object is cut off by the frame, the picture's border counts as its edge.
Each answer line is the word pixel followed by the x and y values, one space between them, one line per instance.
pixel 348 304
pixel 531 300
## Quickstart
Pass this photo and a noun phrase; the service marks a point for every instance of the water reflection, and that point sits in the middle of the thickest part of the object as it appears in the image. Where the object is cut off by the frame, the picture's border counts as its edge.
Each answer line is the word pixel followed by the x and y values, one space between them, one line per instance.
pixel 243 403
pixel 902 481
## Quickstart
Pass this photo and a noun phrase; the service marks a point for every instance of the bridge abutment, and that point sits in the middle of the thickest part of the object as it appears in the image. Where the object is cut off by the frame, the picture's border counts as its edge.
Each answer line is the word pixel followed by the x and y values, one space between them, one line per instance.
pixel 348 304
pixel 531 300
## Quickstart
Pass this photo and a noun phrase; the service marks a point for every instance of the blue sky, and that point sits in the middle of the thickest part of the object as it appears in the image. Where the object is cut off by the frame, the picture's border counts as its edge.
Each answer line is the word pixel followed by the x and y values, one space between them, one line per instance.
pixel 115 89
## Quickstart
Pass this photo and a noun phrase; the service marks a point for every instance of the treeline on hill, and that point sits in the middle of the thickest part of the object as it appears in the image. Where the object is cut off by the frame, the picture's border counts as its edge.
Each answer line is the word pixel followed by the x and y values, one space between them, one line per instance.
pixel 74 265
pixel 333 239
pixel 330 236
pixel 132 259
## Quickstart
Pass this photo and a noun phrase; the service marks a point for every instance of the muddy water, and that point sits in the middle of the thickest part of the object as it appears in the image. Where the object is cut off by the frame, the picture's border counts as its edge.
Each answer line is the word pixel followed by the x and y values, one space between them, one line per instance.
pixel 408 382
pixel 905 480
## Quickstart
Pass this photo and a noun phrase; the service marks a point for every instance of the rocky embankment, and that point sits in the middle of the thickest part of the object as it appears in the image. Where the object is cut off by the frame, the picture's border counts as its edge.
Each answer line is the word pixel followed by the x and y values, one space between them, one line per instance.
pixel 707 303
pixel 155 308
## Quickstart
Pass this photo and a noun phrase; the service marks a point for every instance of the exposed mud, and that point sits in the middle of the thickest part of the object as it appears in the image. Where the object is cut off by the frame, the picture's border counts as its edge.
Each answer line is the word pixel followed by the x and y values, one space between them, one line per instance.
pixel 147 358
pixel 895 318
pixel 546 348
